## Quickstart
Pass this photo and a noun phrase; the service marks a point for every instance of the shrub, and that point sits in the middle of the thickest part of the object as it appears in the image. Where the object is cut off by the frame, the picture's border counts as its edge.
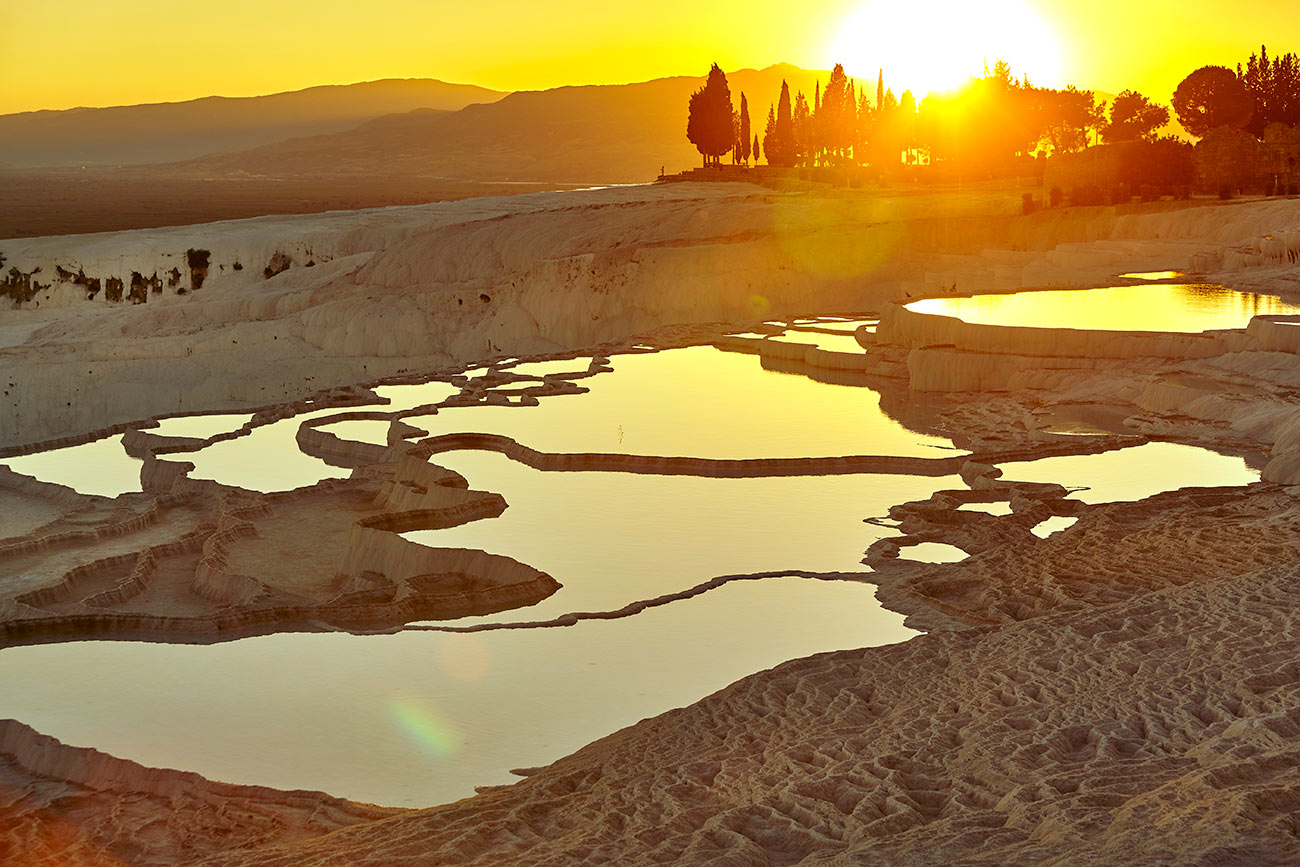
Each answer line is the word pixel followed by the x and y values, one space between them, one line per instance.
pixel 1087 195
pixel 197 260
pixel 1225 191
pixel 1056 196
pixel 1027 204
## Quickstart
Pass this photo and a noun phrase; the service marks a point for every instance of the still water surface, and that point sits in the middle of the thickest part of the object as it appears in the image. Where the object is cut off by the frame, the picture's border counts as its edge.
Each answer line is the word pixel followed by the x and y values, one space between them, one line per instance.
pixel 1184 307
pixel 422 717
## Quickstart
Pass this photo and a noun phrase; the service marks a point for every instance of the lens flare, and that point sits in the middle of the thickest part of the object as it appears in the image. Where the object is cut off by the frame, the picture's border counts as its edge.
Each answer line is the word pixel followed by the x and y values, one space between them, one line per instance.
pixel 427 726
pixel 464 656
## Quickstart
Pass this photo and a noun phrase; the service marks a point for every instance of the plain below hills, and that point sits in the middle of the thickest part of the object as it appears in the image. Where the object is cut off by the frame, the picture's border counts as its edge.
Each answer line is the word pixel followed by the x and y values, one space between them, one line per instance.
pixel 473 143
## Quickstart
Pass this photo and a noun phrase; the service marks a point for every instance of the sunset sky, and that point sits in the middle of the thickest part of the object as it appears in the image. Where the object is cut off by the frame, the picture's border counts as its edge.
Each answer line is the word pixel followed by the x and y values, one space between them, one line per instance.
pixel 65 53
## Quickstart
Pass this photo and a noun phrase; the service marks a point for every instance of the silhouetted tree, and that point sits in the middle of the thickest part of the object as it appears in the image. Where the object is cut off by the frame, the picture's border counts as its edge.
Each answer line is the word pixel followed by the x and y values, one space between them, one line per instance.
pixel 709 120
pixel 769 134
pixel 744 129
pixel 735 137
pixel 1067 115
pixel 1164 163
pixel 860 145
pixel 1212 97
pixel 757 154
pixel 1133 117
pixel 988 121
pixel 883 139
pixel 1274 85
pixel 803 131
pixel 837 116
pixel 816 143
pixel 778 139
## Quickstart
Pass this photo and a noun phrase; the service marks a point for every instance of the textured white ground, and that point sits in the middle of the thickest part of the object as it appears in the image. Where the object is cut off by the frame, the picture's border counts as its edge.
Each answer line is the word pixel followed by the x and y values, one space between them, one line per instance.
pixel 1124 691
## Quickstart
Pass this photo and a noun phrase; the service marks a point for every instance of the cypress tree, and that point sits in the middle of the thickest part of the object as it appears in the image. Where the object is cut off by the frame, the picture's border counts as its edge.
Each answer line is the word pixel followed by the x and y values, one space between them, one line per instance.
pixel 744 129
pixel 779 143
pixel 769 134
pixel 803 130
pixel 709 118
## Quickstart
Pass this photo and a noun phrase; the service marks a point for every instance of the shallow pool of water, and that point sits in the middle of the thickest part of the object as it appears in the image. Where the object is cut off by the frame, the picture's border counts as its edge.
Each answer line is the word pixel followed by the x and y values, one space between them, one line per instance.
pixel 418 719
pixel 200 426
pixel 997 509
pixel 932 552
pixel 831 342
pixel 1134 473
pixel 616 538
pixel 699 402
pixel 1186 308
pixel 1152 275
pixel 422 717
pixel 98 467
pixel 1052 525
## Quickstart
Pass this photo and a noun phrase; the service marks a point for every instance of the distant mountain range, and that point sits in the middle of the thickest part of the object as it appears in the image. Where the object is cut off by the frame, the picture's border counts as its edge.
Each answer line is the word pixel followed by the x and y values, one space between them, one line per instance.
pixel 596 134
pixel 412 128
pixel 172 131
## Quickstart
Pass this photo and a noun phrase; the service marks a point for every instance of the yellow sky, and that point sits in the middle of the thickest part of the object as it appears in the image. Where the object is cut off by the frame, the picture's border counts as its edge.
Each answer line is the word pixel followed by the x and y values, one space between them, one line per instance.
pixel 64 53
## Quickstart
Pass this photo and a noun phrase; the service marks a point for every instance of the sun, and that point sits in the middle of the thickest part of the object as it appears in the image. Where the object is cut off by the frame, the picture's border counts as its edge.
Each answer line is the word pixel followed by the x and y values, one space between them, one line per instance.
pixel 937 45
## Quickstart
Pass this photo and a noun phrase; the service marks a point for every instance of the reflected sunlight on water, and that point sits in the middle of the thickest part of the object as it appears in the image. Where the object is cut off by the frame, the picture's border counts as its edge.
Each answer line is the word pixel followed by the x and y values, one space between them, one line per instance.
pixel 1186 308
pixel 700 402
pixel 1134 473
pixel 382 719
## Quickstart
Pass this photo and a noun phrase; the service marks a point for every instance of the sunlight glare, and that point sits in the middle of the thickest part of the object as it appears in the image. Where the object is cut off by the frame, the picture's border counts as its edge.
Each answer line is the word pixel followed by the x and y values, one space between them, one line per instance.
pixel 938 46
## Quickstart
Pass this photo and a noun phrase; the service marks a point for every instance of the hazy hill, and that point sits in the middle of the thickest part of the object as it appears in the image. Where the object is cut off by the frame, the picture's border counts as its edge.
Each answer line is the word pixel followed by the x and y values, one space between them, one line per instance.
pixel 170 131
pixel 596 134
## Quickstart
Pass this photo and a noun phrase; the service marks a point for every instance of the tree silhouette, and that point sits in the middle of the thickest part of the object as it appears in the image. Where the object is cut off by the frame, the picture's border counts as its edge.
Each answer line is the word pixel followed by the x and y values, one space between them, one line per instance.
pixel 1275 87
pixel 1068 115
pixel 988 122
pixel 803 130
pixel 779 140
pixel 1163 162
pixel 837 115
pixel 709 118
pixel 860 144
pixel 1133 117
pixel 1212 97
pixel 744 130
pixel 757 154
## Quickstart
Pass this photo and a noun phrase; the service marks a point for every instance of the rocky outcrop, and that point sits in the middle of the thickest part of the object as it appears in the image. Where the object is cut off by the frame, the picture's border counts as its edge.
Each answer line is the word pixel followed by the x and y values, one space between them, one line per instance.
pixel 71 805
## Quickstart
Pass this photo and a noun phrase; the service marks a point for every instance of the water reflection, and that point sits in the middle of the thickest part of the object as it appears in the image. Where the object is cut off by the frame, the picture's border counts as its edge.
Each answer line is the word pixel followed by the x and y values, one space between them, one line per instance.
pixel 200 426
pixel 418 719
pixel 831 342
pixel 1054 524
pixel 1152 275
pixel 615 538
pixel 997 509
pixel 699 402
pixel 265 459
pixel 1185 308
pixel 98 467
pixel 932 552
pixel 1135 473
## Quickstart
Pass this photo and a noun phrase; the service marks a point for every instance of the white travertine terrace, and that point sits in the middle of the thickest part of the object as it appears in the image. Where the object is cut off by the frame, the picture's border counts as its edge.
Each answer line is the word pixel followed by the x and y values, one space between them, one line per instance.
pixel 1121 691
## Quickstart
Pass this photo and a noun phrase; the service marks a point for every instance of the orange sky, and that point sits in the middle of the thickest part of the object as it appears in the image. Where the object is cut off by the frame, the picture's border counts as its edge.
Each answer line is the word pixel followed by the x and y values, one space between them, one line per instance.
pixel 92 52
